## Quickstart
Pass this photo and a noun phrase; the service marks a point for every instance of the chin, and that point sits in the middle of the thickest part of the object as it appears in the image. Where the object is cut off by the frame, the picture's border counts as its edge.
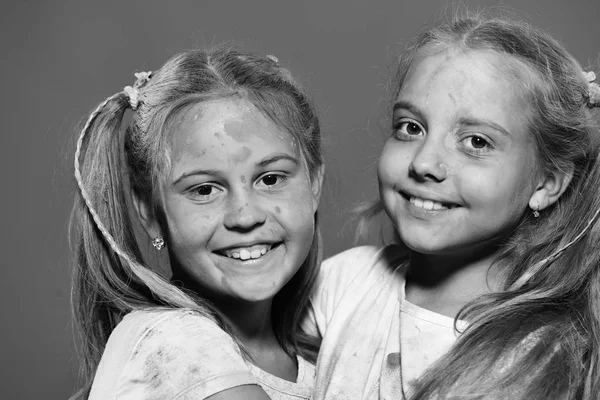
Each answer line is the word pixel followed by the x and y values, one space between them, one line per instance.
pixel 426 246
pixel 257 295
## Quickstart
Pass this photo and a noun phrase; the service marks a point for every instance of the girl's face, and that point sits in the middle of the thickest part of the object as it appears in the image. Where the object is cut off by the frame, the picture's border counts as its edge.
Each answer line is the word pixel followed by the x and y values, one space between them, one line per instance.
pixel 239 202
pixel 460 168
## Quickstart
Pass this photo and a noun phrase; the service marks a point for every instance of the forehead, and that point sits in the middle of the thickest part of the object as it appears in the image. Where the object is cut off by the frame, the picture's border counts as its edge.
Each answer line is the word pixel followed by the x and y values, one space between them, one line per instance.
pixel 236 117
pixel 482 83
pixel 218 128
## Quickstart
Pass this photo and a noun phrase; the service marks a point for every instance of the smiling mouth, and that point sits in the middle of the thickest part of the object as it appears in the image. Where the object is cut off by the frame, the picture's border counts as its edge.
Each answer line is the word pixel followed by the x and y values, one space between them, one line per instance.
pixel 248 253
pixel 428 204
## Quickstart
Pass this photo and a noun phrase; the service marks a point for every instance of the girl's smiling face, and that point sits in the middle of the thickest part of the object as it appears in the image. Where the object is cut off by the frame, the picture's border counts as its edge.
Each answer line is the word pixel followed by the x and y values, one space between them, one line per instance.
pixel 460 168
pixel 239 203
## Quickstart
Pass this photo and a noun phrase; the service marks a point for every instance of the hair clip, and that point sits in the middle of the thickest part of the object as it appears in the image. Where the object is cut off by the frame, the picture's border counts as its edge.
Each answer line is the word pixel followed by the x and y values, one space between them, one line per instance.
pixel 132 92
pixel 593 89
pixel 273 59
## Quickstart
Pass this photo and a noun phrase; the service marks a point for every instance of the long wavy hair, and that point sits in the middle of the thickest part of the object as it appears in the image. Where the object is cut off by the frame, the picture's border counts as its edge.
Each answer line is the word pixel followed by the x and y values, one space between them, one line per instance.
pixel 110 277
pixel 551 264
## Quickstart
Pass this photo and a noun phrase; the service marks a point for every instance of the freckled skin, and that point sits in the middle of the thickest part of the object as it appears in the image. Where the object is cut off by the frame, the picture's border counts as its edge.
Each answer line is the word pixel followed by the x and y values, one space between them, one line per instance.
pixel 492 187
pixel 241 205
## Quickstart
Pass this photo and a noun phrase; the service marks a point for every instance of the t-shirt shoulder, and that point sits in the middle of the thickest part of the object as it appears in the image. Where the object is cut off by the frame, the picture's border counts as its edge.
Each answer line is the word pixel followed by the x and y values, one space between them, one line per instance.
pixel 168 354
pixel 350 276
pixel 361 262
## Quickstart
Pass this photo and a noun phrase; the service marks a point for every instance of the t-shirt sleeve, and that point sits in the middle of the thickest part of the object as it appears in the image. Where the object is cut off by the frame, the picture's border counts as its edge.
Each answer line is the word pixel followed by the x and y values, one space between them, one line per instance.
pixel 180 355
pixel 336 275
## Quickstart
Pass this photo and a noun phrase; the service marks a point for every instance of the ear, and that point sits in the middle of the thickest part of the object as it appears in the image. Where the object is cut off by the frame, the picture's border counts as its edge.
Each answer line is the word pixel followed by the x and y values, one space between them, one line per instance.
pixel 550 188
pixel 146 215
pixel 317 185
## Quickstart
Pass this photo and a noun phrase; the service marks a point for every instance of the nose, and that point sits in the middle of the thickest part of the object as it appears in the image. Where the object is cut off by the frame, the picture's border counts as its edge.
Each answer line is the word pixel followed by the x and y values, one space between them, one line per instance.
pixel 427 163
pixel 244 212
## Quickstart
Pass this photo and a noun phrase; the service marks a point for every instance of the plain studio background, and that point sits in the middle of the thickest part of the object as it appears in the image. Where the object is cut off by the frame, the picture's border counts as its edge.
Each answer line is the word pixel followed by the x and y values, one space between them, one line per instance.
pixel 62 58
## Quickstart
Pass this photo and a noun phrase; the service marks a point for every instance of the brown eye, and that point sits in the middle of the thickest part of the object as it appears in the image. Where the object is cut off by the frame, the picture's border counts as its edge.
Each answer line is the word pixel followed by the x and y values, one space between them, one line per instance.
pixel 478 142
pixel 270 180
pixel 412 129
pixel 273 181
pixel 204 190
pixel 408 129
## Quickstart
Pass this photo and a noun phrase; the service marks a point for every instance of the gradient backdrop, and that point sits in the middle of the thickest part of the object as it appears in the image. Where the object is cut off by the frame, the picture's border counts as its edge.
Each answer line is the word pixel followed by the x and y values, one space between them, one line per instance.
pixel 63 57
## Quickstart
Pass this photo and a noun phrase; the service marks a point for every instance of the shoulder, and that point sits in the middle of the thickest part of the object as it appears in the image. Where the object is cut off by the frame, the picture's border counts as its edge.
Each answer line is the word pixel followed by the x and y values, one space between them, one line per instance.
pixel 362 261
pixel 164 353
pixel 150 328
pixel 181 324
pixel 354 278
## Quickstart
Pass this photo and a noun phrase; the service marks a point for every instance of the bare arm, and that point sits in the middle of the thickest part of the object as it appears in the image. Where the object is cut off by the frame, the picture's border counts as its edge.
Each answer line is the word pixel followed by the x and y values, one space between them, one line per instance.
pixel 243 392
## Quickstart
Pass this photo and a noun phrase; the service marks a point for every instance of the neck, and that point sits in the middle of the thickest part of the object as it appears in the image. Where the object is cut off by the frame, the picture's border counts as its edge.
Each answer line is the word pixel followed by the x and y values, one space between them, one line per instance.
pixel 252 325
pixel 446 283
pixel 250 321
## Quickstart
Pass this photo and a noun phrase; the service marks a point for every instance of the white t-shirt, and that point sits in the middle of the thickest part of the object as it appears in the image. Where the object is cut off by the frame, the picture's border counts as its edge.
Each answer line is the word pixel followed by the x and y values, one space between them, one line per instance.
pixel 375 343
pixel 179 354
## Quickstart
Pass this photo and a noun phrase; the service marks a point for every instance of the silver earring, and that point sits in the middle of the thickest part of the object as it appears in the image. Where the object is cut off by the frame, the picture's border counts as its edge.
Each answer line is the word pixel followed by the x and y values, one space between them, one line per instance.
pixel 158 242
pixel 536 213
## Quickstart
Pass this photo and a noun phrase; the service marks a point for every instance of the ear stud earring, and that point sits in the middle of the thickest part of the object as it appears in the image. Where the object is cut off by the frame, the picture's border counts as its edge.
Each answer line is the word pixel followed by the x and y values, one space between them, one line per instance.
pixel 536 213
pixel 158 242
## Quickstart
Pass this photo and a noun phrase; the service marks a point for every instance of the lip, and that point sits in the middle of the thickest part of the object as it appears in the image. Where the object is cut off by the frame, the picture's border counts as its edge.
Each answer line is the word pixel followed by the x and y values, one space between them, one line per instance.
pixel 448 204
pixel 420 212
pixel 267 242
pixel 275 249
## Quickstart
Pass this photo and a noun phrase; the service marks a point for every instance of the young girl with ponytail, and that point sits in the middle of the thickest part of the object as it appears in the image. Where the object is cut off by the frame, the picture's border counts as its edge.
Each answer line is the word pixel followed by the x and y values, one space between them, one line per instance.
pixel 220 164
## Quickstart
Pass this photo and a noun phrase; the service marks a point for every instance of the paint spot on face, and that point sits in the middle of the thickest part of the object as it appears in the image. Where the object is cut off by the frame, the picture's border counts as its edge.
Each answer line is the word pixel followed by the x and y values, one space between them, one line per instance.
pixel 243 179
pixel 241 156
pixel 277 210
pixel 235 129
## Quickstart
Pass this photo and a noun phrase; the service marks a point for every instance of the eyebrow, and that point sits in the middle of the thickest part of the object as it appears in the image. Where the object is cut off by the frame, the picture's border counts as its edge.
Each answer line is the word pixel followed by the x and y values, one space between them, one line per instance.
pixel 470 121
pixel 195 172
pixel 405 105
pixel 277 157
pixel 263 163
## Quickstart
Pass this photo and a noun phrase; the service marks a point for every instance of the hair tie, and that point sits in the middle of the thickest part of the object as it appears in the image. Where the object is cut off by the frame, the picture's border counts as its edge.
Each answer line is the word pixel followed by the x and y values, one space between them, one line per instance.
pixel 133 92
pixel 273 59
pixel 593 89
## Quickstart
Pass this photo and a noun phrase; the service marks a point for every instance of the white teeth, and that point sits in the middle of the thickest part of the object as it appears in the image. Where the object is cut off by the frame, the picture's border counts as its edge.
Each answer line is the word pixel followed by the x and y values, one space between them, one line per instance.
pixel 427 204
pixel 244 254
pixel 255 254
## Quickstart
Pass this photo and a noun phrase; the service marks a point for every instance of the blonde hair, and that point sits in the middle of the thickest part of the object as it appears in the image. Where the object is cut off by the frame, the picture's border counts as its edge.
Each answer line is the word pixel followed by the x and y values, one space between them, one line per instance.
pixel 552 263
pixel 110 277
